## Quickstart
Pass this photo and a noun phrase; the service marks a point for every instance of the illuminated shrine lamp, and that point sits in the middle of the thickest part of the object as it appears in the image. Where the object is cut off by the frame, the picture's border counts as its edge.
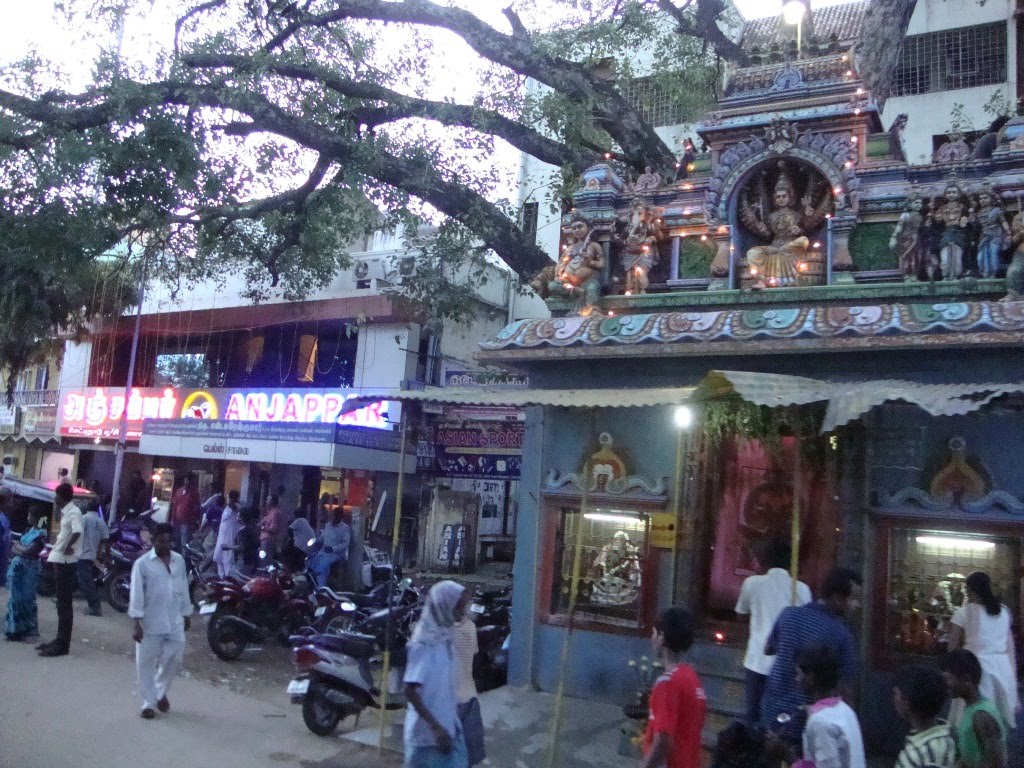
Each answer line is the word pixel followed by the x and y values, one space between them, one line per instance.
pixel 801 266
pixel 753 270
pixel 816 245
pixel 838 190
pixel 704 238
pixel 683 416
pixel 719 637
pixel 853 139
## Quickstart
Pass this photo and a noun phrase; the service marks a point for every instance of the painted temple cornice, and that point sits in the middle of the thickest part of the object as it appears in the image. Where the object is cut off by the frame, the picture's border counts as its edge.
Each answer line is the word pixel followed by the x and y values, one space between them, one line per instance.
pixel 763 331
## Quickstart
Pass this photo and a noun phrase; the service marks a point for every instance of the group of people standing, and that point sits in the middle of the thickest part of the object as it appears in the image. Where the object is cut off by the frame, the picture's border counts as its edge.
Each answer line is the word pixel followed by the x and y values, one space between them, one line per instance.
pixel 801 665
pixel 240 537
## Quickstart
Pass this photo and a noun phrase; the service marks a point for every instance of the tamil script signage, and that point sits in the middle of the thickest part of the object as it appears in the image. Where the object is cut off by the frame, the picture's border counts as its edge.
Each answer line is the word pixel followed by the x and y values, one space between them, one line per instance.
pixel 8 421
pixel 97 412
pixel 491 450
pixel 494 379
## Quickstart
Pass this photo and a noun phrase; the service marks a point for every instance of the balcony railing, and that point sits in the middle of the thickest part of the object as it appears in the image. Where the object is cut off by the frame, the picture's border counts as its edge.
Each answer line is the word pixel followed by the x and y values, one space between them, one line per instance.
pixel 36 397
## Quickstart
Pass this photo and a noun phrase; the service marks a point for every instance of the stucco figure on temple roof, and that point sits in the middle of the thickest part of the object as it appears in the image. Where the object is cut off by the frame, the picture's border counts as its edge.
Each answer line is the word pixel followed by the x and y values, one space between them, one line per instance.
pixel 580 268
pixel 787 227
pixel 639 245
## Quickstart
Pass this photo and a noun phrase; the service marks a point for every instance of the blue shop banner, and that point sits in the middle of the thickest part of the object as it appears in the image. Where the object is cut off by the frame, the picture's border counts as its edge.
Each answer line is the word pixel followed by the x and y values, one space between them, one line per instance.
pixel 484 450
pixel 284 431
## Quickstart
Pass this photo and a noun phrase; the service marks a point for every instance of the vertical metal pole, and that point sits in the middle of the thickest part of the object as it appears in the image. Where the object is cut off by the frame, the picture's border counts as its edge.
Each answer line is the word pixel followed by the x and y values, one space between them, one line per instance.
pixel 828 251
pixel 395 538
pixel 577 559
pixel 676 512
pixel 122 432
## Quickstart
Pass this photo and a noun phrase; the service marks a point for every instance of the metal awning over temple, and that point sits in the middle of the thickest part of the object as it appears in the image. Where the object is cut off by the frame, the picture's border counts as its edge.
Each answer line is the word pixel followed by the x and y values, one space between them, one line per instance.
pixel 845 401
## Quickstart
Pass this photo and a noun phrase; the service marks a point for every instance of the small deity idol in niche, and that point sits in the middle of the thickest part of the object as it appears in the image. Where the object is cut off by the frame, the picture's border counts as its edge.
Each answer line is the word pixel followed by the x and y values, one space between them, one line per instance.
pixel 616 572
pixel 1015 272
pixel 640 246
pixel 994 231
pixel 906 239
pixel 648 180
pixel 953 216
pixel 579 269
pixel 786 256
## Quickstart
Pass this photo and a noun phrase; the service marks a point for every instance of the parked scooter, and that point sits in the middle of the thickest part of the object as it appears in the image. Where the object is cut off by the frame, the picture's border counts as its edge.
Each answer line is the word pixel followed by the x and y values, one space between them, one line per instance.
pixel 271 604
pixel 341 611
pixel 329 689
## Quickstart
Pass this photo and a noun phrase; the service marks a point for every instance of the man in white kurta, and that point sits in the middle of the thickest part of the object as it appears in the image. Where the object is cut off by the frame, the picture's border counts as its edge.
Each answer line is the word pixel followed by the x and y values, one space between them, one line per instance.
pixel 161 607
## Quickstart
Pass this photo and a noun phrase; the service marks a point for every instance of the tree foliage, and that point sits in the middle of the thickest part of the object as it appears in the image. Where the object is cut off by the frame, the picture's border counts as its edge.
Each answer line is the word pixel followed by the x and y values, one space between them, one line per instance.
pixel 264 136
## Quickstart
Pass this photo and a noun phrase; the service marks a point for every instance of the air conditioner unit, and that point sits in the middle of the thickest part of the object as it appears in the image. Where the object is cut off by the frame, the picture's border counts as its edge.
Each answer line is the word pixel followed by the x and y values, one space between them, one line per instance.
pixel 10 460
pixel 369 269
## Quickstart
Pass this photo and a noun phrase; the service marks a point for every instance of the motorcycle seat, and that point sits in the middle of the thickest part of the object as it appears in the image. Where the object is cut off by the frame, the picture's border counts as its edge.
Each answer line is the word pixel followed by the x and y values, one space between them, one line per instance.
pixel 354 644
pixel 335 596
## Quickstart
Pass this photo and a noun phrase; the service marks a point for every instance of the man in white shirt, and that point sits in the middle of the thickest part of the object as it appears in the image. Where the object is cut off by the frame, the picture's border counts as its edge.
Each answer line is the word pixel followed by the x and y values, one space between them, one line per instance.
pixel 160 604
pixel 763 598
pixel 94 533
pixel 64 558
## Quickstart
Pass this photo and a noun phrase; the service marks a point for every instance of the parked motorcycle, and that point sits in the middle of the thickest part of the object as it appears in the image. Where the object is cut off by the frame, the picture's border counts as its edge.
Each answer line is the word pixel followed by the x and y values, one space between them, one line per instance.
pixel 341 611
pixel 271 604
pixel 490 610
pixel 117 581
pixel 328 688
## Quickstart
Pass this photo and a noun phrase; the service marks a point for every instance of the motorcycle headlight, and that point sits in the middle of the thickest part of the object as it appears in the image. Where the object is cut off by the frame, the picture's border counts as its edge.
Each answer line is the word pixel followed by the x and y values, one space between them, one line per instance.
pixel 347 606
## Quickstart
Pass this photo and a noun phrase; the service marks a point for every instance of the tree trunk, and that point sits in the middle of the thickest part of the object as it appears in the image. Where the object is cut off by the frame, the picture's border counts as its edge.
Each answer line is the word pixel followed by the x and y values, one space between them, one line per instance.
pixel 881 39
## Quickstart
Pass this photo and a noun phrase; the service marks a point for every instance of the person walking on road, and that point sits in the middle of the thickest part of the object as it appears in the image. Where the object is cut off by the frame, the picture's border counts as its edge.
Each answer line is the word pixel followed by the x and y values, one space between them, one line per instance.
pixel 64 559
pixel 465 648
pixel 678 704
pixel 809 626
pixel 161 607
pixel 433 733
pixel 22 620
pixel 6 502
pixel 227 532
pixel 763 598
pixel 94 534
pixel 185 510
pixel 983 627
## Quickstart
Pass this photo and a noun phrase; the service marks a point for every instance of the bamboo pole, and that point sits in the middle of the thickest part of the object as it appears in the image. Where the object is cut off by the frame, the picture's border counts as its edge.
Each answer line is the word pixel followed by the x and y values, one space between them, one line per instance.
pixel 577 560
pixel 794 555
pixel 676 513
pixel 395 536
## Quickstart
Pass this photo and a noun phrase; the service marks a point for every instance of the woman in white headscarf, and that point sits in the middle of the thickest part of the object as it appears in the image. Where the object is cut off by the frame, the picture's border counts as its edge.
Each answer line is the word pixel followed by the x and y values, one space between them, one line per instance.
pixel 433 734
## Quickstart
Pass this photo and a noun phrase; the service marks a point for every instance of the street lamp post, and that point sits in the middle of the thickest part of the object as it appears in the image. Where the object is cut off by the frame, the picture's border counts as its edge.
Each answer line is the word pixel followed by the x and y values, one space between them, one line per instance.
pixel 793 12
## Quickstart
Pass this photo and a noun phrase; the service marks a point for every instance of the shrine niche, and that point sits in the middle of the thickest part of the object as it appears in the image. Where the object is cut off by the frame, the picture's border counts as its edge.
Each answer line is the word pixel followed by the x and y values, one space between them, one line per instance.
pixel 782 208
pixel 639 233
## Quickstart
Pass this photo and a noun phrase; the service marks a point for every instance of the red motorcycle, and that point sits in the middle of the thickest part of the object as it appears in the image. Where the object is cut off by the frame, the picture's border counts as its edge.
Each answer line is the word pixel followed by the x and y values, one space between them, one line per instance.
pixel 271 604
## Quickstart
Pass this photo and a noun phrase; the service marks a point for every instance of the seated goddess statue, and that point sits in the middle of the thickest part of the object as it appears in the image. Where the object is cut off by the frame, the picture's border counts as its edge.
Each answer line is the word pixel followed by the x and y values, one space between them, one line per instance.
pixel 579 270
pixel 780 263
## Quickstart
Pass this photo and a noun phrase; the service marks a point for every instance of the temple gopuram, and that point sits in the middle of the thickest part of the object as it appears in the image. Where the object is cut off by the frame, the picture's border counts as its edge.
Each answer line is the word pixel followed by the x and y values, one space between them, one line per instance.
pixel 845 328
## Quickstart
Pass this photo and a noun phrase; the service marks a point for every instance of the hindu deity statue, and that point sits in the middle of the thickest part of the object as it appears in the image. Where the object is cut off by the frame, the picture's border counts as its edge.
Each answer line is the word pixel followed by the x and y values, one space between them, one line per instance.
pixel 640 246
pixel 781 262
pixel 579 270
pixel 953 216
pixel 1015 272
pixel 994 231
pixel 648 180
pixel 906 239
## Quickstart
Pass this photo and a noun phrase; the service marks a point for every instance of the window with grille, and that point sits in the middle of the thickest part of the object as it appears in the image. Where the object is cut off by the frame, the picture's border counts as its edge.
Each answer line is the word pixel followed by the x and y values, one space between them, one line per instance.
pixel 531 213
pixel 613 551
pixel 654 103
pixel 927 574
pixel 951 59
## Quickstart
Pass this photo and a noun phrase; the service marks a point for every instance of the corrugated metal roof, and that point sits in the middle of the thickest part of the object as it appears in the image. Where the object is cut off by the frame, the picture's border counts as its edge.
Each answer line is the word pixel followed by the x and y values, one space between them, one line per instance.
pixel 519 398
pixel 771 389
pixel 842 20
pixel 850 402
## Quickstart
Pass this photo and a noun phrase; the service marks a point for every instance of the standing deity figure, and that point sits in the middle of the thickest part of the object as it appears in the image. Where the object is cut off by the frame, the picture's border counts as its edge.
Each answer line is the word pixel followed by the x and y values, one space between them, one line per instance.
pixel 779 263
pixel 906 239
pixel 952 214
pixel 648 180
pixel 579 269
pixel 994 230
pixel 1015 272
pixel 640 247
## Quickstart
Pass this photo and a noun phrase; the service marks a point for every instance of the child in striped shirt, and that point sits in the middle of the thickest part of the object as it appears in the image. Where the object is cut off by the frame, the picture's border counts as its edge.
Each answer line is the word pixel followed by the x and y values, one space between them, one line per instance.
pixel 919 695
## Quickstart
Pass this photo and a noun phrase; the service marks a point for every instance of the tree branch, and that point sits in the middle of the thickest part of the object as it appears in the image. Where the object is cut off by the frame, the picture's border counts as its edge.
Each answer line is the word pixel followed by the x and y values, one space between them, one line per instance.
pixel 639 143
pixel 398 106
pixel 703 25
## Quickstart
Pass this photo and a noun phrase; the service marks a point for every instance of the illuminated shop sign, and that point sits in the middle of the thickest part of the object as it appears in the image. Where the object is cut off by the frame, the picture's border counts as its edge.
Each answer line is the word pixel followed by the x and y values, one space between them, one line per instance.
pixel 96 412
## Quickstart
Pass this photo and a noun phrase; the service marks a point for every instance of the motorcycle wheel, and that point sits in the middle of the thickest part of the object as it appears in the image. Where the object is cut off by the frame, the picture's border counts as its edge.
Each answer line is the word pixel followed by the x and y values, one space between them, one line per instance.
pixel 46 587
pixel 224 641
pixel 319 715
pixel 118 589
pixel 196 592
pixel 339 624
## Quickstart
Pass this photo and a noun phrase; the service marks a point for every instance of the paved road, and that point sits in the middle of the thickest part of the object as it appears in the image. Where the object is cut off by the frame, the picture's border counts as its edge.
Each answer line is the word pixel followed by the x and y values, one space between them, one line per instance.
pixel 80 711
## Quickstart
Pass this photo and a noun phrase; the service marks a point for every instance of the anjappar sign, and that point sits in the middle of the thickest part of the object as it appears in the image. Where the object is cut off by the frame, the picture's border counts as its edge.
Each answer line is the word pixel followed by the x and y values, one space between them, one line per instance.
pixel 97 412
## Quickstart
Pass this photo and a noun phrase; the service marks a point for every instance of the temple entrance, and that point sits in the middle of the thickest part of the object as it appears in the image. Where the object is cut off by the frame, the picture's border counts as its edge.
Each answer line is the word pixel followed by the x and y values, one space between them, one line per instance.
pixel 756 506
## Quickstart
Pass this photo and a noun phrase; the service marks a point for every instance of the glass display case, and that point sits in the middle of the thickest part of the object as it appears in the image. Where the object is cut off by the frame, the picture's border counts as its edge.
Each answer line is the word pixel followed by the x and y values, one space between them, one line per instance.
pixel 927 570
pixel 613 555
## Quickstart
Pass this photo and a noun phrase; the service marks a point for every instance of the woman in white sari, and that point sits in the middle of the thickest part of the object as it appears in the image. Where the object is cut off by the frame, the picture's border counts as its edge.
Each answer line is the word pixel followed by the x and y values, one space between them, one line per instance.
pixel 983 626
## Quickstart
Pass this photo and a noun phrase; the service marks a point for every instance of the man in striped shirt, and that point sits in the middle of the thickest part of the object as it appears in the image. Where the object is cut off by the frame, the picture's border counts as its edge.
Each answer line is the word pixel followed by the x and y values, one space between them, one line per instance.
pixel 919 695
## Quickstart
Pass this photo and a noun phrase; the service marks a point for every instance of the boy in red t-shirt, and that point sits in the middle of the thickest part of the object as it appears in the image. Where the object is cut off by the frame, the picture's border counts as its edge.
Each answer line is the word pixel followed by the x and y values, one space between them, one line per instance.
pixel 678 703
